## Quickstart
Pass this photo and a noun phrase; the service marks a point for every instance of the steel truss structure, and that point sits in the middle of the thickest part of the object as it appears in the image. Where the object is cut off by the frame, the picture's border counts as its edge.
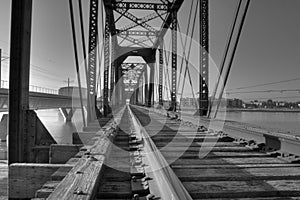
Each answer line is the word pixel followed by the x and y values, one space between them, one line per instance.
pixel 139 38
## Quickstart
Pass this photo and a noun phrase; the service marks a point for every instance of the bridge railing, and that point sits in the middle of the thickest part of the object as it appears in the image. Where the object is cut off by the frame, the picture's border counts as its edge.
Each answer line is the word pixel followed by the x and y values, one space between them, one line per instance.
pixel 32 88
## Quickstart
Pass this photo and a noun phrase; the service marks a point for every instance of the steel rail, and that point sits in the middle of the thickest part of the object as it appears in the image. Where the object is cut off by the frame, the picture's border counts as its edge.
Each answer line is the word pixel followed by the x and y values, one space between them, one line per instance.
pixel 167 183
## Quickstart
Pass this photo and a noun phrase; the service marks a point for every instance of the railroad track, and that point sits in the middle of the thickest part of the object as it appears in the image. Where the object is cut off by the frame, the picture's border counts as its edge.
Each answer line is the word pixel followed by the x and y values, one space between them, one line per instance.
pixel 227 170
pixel 152 157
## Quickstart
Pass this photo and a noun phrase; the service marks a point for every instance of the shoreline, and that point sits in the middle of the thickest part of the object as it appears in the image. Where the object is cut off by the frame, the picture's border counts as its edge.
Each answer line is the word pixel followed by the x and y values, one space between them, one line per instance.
pixel 250 126
pixel 189 109
pixel 263 110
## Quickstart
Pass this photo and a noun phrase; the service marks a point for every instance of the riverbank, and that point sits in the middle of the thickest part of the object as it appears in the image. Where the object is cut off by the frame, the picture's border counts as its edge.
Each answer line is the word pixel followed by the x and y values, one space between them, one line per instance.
pixel 262 110
pixel 281 110
pixel 277 123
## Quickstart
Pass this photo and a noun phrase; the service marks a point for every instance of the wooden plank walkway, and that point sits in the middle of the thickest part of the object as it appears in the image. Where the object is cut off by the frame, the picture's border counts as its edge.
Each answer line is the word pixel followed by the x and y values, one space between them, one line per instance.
pixel 230 170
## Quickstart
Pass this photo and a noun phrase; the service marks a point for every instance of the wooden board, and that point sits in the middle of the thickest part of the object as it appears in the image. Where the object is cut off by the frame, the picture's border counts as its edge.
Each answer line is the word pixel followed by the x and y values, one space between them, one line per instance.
pixel 243 189
pixel 238 174
pixel 61 153
pixel 82 181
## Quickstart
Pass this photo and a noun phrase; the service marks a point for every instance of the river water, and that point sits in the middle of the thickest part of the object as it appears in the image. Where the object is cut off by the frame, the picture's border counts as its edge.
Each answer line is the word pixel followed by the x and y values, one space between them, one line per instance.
pixel 283 122
pixel 286 122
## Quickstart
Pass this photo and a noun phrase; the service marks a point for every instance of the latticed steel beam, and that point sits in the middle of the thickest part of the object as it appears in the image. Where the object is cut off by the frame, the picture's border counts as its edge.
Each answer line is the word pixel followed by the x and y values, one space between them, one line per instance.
pixel 136 20
pixel 109 10
pixel 133 65
pixel 93 35
pixel 167 23
pixel 161 65
pixel 174 61
pixel 141 6
pixel 142 41
pixel 137 33
pixel 204 62
pixel 106 64
pixel 92 57
pixel 134 41
pixel 145 19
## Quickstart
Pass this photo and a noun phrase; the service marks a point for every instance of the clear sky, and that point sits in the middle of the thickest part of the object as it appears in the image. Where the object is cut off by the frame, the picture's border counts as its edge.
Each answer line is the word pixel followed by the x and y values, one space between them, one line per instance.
pixel 269 49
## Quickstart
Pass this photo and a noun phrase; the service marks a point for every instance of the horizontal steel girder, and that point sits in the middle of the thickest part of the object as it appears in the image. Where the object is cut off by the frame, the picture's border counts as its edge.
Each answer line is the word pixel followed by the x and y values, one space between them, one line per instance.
pixel 126 66
pixel 142 6
pixel 136 20
pixel 141 21
pixel 134 41
pixel 137 33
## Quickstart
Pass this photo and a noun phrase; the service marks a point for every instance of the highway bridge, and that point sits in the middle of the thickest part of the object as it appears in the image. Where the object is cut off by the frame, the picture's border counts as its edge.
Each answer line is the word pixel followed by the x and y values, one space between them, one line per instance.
pixel 135 148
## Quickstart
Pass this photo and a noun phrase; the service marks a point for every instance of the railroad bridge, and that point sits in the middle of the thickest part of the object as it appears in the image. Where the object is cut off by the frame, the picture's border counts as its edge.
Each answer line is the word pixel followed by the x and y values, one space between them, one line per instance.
pixel 132 147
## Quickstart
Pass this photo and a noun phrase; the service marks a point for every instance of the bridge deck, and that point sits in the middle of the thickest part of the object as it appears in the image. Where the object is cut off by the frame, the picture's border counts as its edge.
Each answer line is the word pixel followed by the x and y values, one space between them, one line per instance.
pixel 209 166
pixel 229 170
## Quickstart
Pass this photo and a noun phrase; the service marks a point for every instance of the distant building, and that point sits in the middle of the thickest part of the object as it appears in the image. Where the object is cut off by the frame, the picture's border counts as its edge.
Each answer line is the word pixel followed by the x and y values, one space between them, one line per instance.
pixel 72 91
pixel 188 102
pixel 234 103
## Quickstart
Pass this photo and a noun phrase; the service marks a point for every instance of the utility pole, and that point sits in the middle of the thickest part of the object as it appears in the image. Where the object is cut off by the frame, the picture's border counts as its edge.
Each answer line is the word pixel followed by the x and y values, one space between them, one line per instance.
pixel 69 81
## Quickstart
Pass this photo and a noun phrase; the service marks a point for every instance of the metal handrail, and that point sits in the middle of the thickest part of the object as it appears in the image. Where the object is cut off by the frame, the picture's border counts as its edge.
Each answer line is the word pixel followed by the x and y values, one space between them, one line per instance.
pixel 32 88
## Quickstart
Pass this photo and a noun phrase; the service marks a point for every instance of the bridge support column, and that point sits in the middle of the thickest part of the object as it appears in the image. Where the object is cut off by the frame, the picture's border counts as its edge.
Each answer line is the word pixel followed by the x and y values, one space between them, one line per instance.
pixel 68 115
pixel 19 79
pixel 29 140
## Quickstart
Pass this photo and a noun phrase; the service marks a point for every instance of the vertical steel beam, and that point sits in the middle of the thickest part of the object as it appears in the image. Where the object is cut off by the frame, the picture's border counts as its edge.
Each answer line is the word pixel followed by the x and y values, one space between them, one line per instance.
pixel 174 61
pixel 118 74
pixel 21 17
pixel 146 86
pixel 151 84
pixel 113 69
pixel 106 65
pixel 92 62
pixel 161 65
pixel 204 59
